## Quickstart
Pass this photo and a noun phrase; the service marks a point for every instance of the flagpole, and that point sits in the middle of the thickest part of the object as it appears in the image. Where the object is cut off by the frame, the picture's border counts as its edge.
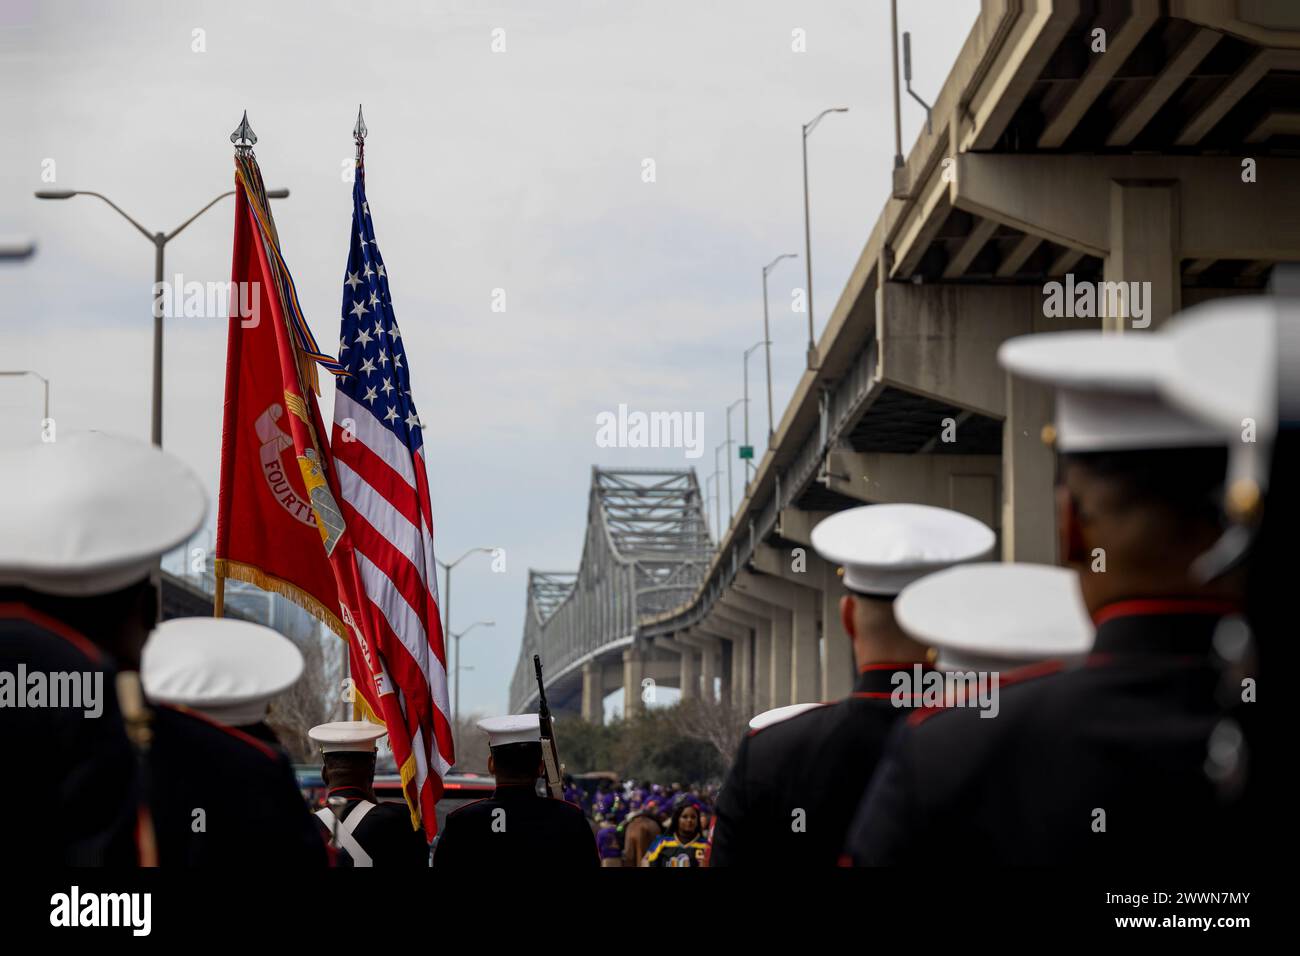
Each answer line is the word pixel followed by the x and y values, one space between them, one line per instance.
pixel 243 139
pixel 359 135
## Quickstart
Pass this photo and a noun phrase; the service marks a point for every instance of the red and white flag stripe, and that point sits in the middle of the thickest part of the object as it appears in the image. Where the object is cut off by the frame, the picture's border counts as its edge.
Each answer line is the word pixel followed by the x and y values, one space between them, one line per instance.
pixel 386 506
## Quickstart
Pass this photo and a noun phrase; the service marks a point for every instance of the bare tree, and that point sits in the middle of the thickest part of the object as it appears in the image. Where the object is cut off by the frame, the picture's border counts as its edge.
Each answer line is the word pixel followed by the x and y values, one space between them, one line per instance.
pixel 715 722
pixel 471 745
pixel 317 697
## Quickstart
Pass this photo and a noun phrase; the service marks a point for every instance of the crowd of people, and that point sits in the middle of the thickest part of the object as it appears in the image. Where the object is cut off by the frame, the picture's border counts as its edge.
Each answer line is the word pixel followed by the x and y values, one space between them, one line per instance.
pixel 643 824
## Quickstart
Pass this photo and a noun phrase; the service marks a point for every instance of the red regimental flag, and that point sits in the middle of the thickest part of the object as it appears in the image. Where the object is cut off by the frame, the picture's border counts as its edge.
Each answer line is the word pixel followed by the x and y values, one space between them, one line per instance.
pixel 278 523
pixel 267 533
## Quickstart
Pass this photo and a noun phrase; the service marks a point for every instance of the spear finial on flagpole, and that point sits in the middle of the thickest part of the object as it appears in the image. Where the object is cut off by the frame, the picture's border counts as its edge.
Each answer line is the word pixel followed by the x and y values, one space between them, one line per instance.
pixel 243 137
pixel 359 133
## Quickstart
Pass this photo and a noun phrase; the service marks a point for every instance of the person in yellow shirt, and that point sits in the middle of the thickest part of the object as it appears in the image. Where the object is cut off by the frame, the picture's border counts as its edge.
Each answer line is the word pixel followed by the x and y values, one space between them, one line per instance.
pixel 685 843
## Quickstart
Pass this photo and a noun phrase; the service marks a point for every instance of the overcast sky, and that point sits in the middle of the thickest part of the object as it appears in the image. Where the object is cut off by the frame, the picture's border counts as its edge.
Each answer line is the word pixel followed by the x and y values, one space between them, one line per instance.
pixel 519 170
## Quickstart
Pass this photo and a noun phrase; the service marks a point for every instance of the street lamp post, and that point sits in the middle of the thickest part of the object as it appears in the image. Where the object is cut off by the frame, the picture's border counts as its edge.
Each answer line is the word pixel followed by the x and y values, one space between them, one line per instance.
pixel 767 337
pixel 455 701
pixel 749 463
pixel 446 594
pixel 44 381
pixel 159 240
pixel 717 465
pixel 731 504
pixel 717 510
pixel 807 229
pixel 16 249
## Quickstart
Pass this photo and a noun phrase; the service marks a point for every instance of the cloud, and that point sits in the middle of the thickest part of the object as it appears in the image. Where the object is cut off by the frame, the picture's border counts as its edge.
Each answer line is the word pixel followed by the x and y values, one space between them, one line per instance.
pixel 518 171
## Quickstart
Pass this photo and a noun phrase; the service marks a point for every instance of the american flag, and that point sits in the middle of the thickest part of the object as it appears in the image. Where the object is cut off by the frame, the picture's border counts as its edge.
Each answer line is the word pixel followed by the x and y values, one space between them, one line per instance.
pixel 378 449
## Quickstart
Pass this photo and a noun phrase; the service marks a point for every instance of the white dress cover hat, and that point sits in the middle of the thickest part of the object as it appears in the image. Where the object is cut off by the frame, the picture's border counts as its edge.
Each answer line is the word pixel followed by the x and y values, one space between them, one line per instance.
pixel 92 513
pixel 1107 390
pixel 358 736
pixel 511 729
pixel 993 615
pixel 226 669
pixel 883 548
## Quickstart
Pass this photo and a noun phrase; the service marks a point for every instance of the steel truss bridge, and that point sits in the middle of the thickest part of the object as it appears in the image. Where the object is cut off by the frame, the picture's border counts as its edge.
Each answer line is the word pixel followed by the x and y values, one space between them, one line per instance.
pixel 645 553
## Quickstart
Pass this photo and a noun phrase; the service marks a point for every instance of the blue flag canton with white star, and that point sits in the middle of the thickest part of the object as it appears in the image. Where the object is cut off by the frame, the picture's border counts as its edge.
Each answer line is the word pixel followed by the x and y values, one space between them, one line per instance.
pixel 370 343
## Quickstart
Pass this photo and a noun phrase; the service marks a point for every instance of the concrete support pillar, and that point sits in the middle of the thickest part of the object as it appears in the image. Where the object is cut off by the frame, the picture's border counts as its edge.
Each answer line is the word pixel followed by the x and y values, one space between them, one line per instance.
pixel 805 664
pixel 593 693
pixel 751 624
pixel 838 667
pixel 688 664
pixel 690 677
pixel 778 666
pixel 633 671
pixel 726 670
pixel 762 691
pixel 1144 248
pixel 792 595
pixel 742 688
pixel 759 613
pixel 802 580
pixel 710 670
pixel 720 661
pixel 1028 469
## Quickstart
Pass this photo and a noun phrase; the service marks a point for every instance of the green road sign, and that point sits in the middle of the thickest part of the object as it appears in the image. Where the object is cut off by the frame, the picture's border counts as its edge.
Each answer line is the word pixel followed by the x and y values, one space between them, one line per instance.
pixel 746 451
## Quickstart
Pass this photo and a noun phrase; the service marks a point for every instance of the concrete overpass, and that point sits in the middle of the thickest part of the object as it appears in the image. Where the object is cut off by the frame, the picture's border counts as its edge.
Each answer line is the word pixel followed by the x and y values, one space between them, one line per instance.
pixel 1168 160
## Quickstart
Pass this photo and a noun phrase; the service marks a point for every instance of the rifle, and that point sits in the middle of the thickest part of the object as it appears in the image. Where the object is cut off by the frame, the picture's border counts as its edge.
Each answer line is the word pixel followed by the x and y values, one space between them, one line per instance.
pixel 138 719
pixel 550 756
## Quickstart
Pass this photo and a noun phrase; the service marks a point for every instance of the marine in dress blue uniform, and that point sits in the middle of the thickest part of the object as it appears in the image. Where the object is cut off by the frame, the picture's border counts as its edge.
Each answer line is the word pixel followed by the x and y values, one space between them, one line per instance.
pixel 516 828
pixel 210 682
pixel 367 832
pixel 1102 762
pixel 1236 365
pixel 86 519
pixel 799 773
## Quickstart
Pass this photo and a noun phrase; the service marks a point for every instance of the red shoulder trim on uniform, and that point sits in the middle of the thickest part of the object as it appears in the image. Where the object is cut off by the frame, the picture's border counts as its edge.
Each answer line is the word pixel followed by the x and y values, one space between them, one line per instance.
pixel 890 666
pixel 1018 676
pixel 13 609
pixel 267 750
pixel 1147 606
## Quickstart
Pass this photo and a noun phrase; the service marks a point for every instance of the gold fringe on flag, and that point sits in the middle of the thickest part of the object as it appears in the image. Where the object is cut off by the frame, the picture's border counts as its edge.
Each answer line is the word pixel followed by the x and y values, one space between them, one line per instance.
pixel 226 568
pixel 408 774
pixel 361 711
